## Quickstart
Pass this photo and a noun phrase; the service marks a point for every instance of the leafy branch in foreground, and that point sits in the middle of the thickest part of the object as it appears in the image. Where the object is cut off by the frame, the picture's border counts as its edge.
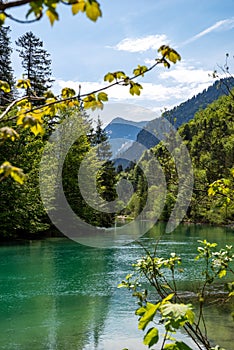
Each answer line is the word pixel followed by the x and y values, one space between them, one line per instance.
pixel 38 9
pixel 29 115
pixel 171 310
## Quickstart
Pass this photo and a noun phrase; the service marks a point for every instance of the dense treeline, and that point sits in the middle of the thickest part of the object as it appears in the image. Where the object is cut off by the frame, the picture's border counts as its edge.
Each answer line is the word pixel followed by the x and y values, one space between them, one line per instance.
pixel 209 138
pixel 21 209
pixel 186 111
pixel 22 212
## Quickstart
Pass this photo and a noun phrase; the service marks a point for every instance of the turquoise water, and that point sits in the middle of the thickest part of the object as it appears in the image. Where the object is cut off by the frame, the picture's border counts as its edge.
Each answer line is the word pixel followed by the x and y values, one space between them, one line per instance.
pixel 56 294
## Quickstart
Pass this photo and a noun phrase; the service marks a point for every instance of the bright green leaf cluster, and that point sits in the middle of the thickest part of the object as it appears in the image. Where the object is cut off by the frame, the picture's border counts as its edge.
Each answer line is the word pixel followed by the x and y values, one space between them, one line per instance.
pixel 176 316
pixel 119 75
pixel 217 263
pixel 68 92
pixel 178 345
pixel 151 337
pixel 2 18
pixel 224 188
pixel 168 54
pixel 140 70
pixel 30 119
pixel 37 8
pixel 135 88
pixel 7 133
pixel 4 86
pixel 147 314
pixel 6 169
pixel 23 84
pixel 94 101
pixel 90 7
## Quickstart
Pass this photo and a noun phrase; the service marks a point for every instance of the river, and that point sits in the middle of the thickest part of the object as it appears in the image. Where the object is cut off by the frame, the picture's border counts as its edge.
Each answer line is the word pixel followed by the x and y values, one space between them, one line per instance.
pixel 56 294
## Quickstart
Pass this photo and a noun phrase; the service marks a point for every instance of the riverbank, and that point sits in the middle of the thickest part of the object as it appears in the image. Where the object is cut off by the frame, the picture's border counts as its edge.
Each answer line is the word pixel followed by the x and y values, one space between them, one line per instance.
pixel 121 220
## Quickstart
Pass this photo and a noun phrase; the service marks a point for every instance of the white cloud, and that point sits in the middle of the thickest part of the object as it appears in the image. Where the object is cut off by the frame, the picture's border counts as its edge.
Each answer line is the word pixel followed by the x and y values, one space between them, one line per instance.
pixel 172 88
pixel 128 111
pixel 223 25
pixel 183 74
pixel 142 44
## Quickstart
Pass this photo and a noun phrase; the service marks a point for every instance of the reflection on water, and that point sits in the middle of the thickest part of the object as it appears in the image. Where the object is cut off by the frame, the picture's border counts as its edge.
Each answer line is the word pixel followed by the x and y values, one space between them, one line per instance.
pixel 57 294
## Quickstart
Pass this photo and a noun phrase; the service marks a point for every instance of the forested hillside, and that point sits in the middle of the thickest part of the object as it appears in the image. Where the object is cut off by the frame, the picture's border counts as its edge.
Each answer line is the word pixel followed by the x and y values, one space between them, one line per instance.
pixel 209 138
pixel 185 111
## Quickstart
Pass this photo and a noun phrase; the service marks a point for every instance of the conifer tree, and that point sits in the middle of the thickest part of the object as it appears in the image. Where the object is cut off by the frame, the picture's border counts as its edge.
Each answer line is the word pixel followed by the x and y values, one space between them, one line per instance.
pixel 36 63
pixel 6 71
pixel 107 176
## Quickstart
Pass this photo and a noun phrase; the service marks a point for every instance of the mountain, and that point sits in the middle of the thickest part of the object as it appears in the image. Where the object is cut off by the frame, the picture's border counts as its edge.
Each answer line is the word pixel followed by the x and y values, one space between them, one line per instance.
pixel 122 133
pixel 185 111
pixel 129 139
pixel 209 139
pixel 124 129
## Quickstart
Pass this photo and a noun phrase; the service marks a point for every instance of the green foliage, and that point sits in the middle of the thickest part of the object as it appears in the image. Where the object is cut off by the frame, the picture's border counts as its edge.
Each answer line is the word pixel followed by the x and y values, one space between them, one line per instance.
pixel 36 64
pixel 95 101
pixel 119 75
pixel 176 316
pixel 147 316
pixel 135 88
pixel 7 133
pixel 6 169
pixel 169 54
pixel 6 71
pixel 67 92
pixel 4 86
pixel 38 8
pixel 151 337
pixel 140 70
pixel 209 139
pixel 178 345
pixel 21 210
pixel 170 308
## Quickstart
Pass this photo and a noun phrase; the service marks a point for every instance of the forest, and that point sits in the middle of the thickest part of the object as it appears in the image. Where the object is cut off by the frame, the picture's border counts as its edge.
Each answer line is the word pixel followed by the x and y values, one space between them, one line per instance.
pixel 57 294
pixel 208 137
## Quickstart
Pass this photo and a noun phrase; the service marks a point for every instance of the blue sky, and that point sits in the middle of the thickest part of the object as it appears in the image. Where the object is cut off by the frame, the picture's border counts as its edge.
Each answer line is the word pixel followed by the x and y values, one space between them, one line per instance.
pixel 129 34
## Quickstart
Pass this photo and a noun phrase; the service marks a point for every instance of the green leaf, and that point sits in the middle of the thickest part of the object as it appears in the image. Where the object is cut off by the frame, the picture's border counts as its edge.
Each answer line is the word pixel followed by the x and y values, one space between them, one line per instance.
pixel 102 96
pixel 222 273
pixel 77 7
pixel 23 84
pixel 140 70
pixel 135 88
pixel 176 315
pixel 109 77
pixel 9 170
pixel 169 297
pixel 140 311
pixel 169 53
pixel 52 15
pixel 32 122
pixel 120 75
pixel 115 75
pixel 68 92
pixel 93 10
pixel 151 337
pixel 178 345
pixel 8 133
pixel 2 18
pixel 148 316
pixel 36 8
pixel 4 86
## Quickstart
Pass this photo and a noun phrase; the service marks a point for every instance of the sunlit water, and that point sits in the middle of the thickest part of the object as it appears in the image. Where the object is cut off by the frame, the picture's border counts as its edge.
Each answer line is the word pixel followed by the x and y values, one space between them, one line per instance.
pixel 59 295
